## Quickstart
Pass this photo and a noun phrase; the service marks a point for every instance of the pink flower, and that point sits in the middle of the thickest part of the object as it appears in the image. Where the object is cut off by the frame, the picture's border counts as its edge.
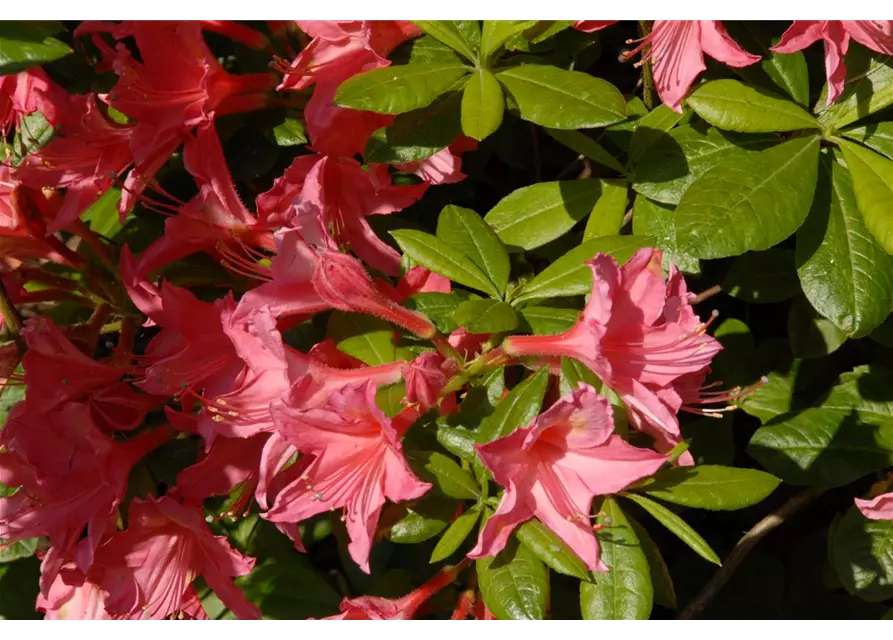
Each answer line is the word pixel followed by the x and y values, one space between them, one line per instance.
pixel 677 48
pixel 552 470
pixel 878 508
pixel 338 131
pixel 877 35
pixel 85 158
pixel 149 568
pixel 358 464
pixel 28 91
pixel 591 26
pixel 373 608
pixel 425 378
pixel 638 333
pixel 72 596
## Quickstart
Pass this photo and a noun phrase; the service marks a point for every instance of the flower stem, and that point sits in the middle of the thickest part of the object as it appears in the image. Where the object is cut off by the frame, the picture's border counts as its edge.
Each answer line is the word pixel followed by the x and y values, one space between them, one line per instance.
pixel 750 539
pixel 11 317
pixel 647 77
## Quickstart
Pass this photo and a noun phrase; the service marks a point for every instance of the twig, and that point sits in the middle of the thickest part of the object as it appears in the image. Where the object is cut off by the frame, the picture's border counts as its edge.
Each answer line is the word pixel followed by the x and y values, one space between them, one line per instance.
pixel 11 317
pixel 647 78
pixel 744 546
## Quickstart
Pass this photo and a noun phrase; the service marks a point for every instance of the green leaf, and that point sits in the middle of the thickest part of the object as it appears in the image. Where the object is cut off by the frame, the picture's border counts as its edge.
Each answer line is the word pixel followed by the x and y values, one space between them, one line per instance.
pixel 677 526
pixel 573 372
pixel 33 134
pixel 551 549
pixel 287 587
pixel 19 589
pixel 763 276
pixel 290 133
pixel 678 158
pixel 568 276
pixel 102 216
pixel 549 320
pixel 869 88
pixel 873 186
pixel 365 337
pixel 552 97
pixel 710 487
pixel 389 398
pixel 514 583
pixel 661 582
pixel 735 106
pixel 861 552
pixel 455 535
pixel 418 134
pixel 434 254
pixel 482 105
pixel 586 146
pixel 756 200
pixel 776 396
pixel 450 479
pixel 457 440
pixel 877 136
pixel 424 520
pixel 25 44
pixel 786 71
pixel 656 220
pixel 425 50
pixel 625 591
pixel 496 32
pixel 845 437
pixel 438 307
pixel 10 551
pixel 399 89
pixel 460 35
pixel 607 215
pixel 649 129
pixel 486 316
pixel 465 230
pixel 532 216
pixel 846 275
pixel 811 335
pixel 517 409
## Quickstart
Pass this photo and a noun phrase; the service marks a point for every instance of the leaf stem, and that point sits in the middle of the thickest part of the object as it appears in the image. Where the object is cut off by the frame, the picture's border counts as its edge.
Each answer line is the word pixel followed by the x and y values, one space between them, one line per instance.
pixel 647 77
pixel 750 539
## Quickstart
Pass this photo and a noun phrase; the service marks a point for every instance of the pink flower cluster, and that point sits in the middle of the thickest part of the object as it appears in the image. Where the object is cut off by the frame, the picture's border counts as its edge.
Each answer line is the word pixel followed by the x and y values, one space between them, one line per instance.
pixel 297 434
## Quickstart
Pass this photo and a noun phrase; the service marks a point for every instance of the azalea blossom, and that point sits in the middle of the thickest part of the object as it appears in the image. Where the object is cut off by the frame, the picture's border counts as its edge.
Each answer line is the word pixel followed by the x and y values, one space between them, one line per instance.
pixel 27 92
pixel 553 468
pixel 638 333
pixel 677 49
pixel 358 464
pixel 877 35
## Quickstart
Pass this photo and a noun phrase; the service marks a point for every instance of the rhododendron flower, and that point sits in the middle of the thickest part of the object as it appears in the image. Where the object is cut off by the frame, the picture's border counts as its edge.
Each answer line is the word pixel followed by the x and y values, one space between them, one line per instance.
pixel 552 470
pixel 84 158
pixel 27 92
pixel 591 26
pixel 425 378
pixel 877 35
pixel 373 608
pixel 878 508
pixel 342 193
pixel 638 333
pixel 358 464
pixel 677 55
pixel 214 219
pixel 149 568
pixel 71 596
pixel 73 476
pixel 176 85
pixel 341 49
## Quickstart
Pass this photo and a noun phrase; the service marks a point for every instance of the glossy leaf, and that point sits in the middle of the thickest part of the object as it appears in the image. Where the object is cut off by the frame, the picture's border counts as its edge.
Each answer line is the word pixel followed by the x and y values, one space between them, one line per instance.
pixel 861 552
pixel 551 549
pixel 587 147
pixel 399 89
pixel 486 316
pixel 877 136
pixel 423 521
pixel 25 44
pixel 465 230
pixel 514 583
pixel 710 487
pixel 517 409
pixel 655 220
pixel 290 133
pixel 365 337
pixel 845 274
pixel 445 473
pixel 532 216
pixel 649 129
pixel 455 535
pixel 811 335
pixel 757 201
pixel 873 187
pixel 677 526
pixel 460 35
pixel 625 591
pixel 552 97
pixel 568 276
pixel 418 134
pixel 482 105
pixel 496 32
pixel 661 582
pixel 434 254
pixel 763 276
pixel 549 320
pixel 734 106
pixel 869 88
pixel 10 551
pixel 607 214
pixel 438 307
